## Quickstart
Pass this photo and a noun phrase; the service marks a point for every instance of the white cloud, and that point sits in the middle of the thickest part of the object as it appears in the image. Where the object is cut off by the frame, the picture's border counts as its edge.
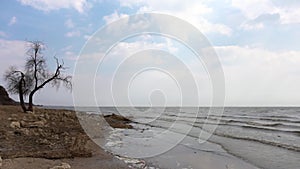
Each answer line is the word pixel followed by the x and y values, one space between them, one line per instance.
pixel 123 49
pixel 68 53
pixel 252 26
pixel 131 3
pixel 69 23
pixel 12 21
pixel 194 12
pixel 256 76
pixel 123 56
pixel 113 17
pixel 73 34
pixel 252 9
pixel 12 53
pixel 290 15
pixel 48 5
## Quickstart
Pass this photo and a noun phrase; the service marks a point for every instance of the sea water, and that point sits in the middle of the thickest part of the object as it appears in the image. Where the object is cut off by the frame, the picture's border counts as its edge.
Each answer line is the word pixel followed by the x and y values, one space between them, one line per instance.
pixel 244 137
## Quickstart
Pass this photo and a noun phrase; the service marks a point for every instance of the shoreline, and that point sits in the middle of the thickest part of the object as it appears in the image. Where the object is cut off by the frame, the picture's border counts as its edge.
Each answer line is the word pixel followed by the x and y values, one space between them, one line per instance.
pixel 50 138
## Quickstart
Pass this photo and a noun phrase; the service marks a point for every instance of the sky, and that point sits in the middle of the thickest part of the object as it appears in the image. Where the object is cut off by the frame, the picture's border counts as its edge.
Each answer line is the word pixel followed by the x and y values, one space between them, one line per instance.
pixel 256 41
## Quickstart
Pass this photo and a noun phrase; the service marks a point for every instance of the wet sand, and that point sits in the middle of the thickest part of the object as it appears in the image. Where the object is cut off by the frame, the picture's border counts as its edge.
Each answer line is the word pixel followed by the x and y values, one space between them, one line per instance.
pixel 190 154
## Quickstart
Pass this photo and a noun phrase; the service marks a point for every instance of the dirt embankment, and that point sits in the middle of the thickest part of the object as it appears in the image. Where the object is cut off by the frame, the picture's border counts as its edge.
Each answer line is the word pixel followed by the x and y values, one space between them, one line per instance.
pixel 50 134
pixel 117 121
pixel 43 134
pixel 5 99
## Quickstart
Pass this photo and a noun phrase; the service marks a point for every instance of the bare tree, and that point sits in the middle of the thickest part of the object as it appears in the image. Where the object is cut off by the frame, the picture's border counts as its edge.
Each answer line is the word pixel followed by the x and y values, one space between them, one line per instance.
pixel 18 83
pixel 35 76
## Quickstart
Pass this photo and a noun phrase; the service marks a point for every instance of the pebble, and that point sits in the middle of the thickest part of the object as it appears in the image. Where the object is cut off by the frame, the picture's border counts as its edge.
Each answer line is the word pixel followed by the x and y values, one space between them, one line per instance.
pixel 62 166
pixel 15 124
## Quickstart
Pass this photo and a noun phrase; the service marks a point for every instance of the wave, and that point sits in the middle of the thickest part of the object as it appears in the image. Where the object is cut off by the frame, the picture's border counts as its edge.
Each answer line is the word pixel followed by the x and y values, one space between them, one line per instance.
pixel 238 118
pixel 265 118
pixel 231 121
pixel 278 127
pixel 267 142
pixel 266 128
pixel 277 144
pixel 296 132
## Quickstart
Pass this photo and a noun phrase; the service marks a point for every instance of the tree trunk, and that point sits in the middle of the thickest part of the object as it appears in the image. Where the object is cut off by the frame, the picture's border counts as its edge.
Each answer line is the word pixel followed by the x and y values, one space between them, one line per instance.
pixel 22 103
pixel 30 104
